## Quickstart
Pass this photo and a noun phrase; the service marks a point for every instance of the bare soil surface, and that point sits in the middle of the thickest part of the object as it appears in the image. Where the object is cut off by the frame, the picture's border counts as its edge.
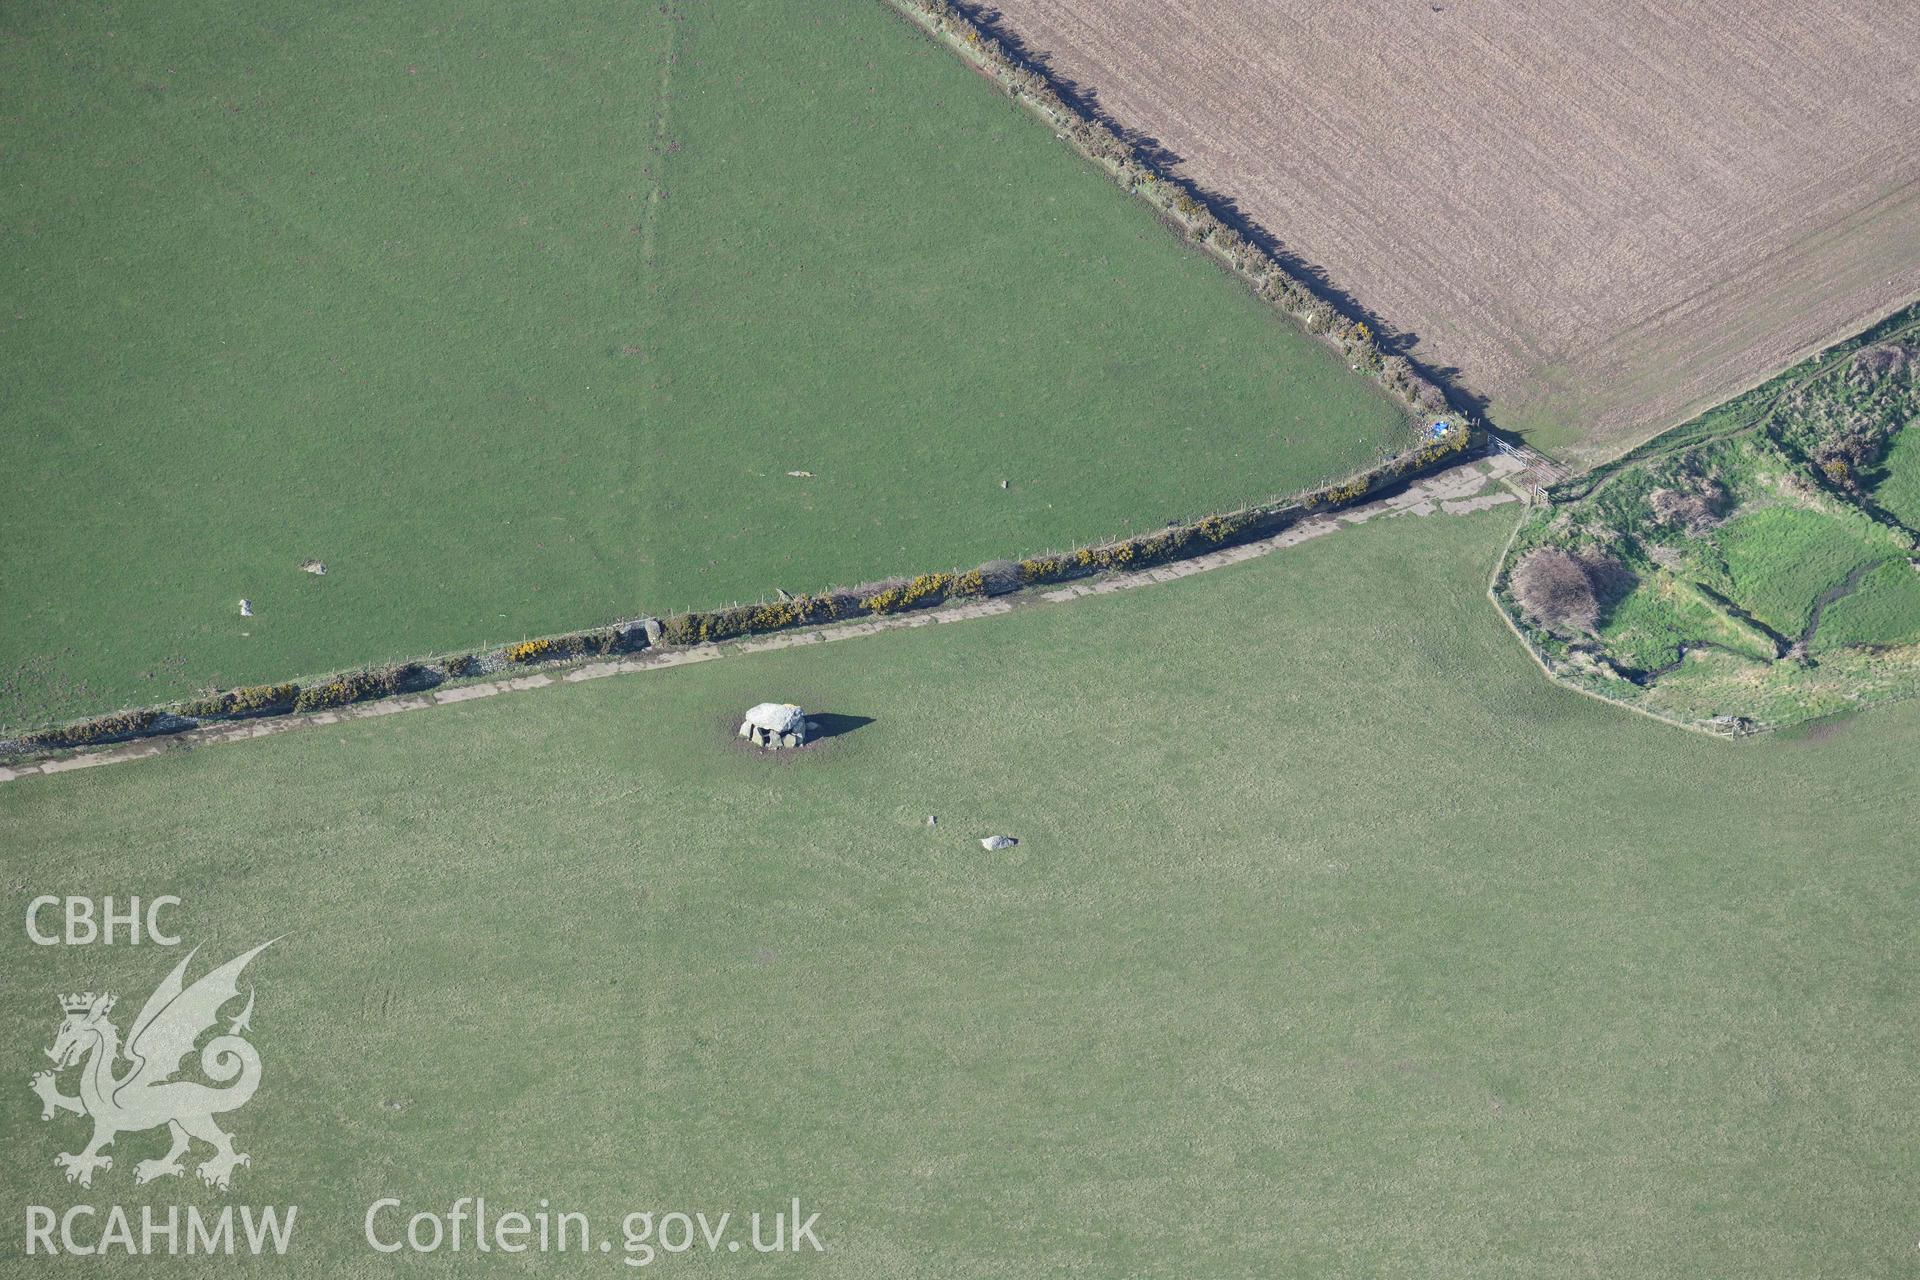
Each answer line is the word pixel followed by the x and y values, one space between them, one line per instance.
pixel 1603 218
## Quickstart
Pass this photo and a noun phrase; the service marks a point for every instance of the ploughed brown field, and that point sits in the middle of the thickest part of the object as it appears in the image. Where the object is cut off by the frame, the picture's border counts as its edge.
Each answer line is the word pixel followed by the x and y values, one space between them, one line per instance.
pixel 1604 217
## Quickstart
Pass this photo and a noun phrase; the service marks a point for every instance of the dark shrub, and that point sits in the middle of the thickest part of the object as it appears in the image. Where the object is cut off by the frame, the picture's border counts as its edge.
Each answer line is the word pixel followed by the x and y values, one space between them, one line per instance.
pixel 213 704
pixel 263 697
pixel 998 577
pixel 1043 569
pixel 1222 528
pixel 1568 593
pixel 595 643
pixel 121 724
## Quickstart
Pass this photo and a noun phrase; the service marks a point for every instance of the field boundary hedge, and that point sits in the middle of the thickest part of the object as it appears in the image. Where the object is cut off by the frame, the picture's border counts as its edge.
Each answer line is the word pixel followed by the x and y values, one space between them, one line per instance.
pixel 1177 201
pixel 709 626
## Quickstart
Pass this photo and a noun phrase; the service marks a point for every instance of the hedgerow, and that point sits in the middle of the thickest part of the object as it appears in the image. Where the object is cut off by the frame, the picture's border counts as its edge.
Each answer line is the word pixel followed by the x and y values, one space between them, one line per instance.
pixel 246 700
pixel 263 697
pixel 529 650
pixel 993 578
pixel 1000 576
pixel 360 686
pixel 927 589
pixel 1037 569
pixel 121 724
pixel 1218 529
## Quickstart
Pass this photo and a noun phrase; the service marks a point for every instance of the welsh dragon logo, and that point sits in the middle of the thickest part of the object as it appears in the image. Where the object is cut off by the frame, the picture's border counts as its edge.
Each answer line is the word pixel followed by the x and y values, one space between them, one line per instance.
pixel 145 1095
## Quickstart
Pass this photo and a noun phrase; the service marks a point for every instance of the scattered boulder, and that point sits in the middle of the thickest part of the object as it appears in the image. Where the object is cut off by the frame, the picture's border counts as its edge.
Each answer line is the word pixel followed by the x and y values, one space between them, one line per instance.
pixel 314 567
pixel 638 633
pixel 246 608
pixel 998 842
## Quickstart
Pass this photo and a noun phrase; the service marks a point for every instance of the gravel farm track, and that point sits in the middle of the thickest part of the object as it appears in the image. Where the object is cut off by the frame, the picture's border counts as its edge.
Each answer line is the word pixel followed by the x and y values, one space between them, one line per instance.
pixel 1602 219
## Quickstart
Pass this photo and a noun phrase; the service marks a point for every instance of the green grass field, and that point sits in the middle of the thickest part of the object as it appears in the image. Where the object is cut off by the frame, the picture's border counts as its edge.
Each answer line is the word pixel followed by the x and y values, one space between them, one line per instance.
pixel 1664 616
pixel 1899 488
pixel 518 318
pixel 1780 560
pixel 1883 610
pixel 1339 942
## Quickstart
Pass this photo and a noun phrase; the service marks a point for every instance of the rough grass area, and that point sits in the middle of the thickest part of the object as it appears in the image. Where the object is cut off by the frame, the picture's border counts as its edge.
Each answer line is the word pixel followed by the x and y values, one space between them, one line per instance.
pixel 1898 490
pixel 1721 556
pixel 518 318
pixel 1664 616
pixel 1883 610
pixel 1338 943
pixel 1781 559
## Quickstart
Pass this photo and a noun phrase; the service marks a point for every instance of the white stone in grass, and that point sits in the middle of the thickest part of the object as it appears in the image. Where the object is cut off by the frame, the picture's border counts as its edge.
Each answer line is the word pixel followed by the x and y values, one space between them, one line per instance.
pixel 777 717
pixel 998 842
pixel 246 608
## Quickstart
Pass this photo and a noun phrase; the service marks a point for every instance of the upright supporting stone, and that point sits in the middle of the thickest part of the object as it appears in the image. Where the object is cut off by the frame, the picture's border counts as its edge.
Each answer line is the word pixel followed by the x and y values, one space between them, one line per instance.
pixel 776 725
